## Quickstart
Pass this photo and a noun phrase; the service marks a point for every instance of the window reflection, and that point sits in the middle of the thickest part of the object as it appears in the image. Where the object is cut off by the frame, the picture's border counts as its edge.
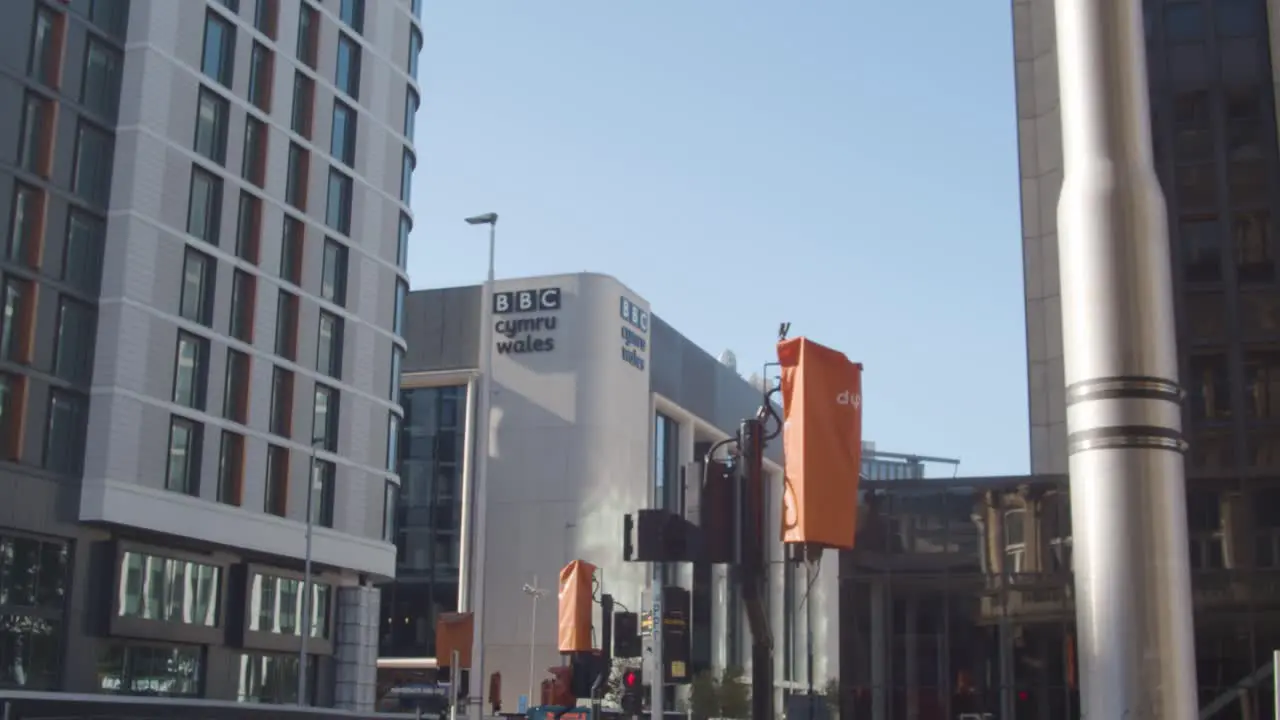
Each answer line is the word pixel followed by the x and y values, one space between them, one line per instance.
pixel 152 587
pixel 165 671
pixel 1208 388
pixel 432 445
pixel 271 678
pixel 1262 383
pixel 276 606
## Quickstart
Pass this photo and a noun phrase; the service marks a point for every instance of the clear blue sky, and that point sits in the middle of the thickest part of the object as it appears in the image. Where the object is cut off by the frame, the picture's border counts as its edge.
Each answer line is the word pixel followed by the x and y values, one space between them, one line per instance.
pixel 846 166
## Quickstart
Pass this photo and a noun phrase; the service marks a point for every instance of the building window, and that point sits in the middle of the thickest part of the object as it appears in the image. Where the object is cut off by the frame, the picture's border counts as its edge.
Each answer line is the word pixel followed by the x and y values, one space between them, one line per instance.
pixel 287 325
pixel 410 112
pixel 390 491
pixel 235 395
pixel 33 581
pixel 197 287
pixel 266 14
pixel 308 35
pixel 100 87
pixel 291 243
pixel 92 176
pixel 1209 388
pixel 211 126
pixel 63 438
pixel 190 368
pixel 231 469
pixel 13 392
pixel 272 679
pixel 73 348
pixel 37 135
pixel 295 190
pixel 402 246
pixel 276 498
pixel 666 462
pixel 219 49
pixel 431 452
pixel 253 166
pixel 406 177
pixel 82 258
pixel 338 209
pixel 324 418
pixel 183 475
pixel 351 12
pixel 333 280
pixel 304 97
pixel 393 441
pixel 169 590
pixel 19 311
pixel 26 231
pixel 397 322
pixel 110 17
pixel 204 210
pixel 342 142
pixel 46 47
pixel 281 402
pixel 129 669
pixel 347 76
pixel 1015 544
pixel 261 63
pixel 244 296
pixel 1262 384
pixel 248 227
pixel 1252 233
pixel 322 488
pixel 415 48
pixel 280 602
pixel 329 345
pixel 397 360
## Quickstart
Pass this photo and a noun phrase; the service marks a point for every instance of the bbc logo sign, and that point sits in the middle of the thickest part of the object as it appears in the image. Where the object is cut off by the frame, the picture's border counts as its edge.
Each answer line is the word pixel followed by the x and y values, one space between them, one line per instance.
pixel 524 301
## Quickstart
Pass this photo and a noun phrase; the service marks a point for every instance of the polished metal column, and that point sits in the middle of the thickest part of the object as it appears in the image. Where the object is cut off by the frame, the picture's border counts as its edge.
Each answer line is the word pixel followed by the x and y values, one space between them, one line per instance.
pixel 1128 500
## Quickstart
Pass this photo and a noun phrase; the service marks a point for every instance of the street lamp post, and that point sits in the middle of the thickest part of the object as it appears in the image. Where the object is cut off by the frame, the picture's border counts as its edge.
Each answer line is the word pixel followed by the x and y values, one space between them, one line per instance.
pixel 534 592
pixel 308 624
pixel 1124 423
pixel 474 553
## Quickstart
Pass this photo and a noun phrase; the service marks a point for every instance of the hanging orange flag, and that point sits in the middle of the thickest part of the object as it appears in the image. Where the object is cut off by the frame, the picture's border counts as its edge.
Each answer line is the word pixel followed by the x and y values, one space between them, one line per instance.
pixel 575 606
pixel 822 443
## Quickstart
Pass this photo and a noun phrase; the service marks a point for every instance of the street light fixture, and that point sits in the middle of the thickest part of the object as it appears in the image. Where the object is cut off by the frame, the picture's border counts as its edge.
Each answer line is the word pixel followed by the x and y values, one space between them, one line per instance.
pixel 534 592
pixel 308 625
pixel 474 543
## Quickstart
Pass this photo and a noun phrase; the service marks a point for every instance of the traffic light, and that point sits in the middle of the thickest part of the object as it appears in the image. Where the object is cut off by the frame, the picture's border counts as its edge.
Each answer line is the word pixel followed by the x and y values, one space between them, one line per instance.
pixel 584 668
pixel 626 635
pixel 632 691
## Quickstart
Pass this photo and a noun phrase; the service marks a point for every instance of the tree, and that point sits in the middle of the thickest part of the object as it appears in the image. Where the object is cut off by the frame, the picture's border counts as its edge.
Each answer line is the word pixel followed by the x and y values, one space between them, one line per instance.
pixel 734 694
pixel 704 696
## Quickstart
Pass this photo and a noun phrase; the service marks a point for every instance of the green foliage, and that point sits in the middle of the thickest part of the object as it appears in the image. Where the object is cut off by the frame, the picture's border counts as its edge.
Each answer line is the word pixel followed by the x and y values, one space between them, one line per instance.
pixel 704 696
pixel 734 694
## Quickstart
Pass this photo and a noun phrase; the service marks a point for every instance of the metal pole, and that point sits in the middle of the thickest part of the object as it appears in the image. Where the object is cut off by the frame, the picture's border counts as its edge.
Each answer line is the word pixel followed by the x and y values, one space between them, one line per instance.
pixel 533 634
pixel 482 472
pixel 1275 682
pixel 306 580
pixel 468 482
pixel 1132 576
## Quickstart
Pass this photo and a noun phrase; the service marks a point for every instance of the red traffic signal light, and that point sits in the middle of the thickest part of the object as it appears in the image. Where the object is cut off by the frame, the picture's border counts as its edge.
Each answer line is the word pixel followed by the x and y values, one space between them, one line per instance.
pixel 631 679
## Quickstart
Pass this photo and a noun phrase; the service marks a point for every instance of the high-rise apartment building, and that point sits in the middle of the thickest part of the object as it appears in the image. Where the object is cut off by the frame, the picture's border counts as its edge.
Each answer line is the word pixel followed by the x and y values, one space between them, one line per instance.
pixel 206 214
pixel 1213 122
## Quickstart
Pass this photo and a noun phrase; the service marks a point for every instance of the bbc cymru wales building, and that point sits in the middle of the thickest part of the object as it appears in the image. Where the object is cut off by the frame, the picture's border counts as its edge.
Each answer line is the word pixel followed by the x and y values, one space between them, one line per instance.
pixel 598 405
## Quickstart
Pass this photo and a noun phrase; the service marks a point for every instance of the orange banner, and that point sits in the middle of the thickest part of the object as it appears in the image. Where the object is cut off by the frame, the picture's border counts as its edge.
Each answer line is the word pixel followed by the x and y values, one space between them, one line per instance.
pixel 454 631
pixel 822 443
pixel 575 606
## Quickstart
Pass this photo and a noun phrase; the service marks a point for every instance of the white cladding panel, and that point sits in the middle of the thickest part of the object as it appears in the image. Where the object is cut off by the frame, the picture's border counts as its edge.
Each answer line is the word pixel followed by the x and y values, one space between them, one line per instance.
pixel 570 455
